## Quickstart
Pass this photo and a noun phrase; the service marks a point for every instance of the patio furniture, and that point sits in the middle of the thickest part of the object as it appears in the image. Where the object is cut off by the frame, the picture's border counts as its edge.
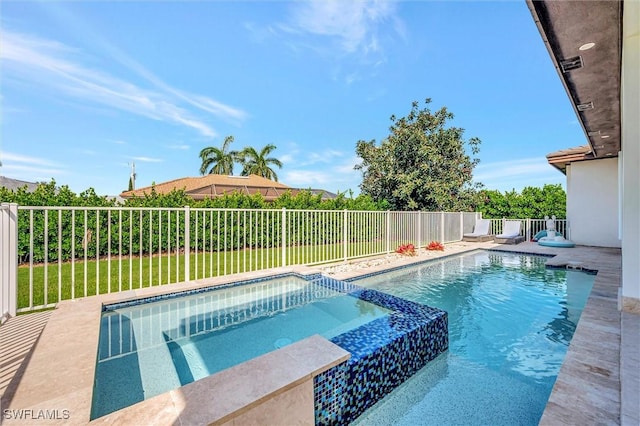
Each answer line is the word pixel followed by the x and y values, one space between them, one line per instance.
pixel 510 233
pixel 480 232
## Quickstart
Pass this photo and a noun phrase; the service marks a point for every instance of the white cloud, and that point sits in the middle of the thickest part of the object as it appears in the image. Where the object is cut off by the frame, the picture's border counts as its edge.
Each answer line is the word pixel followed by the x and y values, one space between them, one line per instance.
pixel 307 178
pixel 148 159
pixel 323 157
pixel 49 64
pixel 517 174
pixel 8 158
pixel 348 166
pixel 514 168
pixel 339 176
pixel 354 23
pixel 182 147
pixel 287 158
pixel 31 170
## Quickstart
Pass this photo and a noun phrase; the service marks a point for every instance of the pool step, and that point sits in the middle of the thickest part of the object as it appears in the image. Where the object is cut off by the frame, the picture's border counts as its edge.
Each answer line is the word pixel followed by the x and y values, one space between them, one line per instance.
pixel 157 370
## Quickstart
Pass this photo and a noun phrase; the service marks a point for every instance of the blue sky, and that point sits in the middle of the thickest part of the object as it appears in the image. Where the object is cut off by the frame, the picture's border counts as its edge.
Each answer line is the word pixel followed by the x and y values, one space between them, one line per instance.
pixel 89 87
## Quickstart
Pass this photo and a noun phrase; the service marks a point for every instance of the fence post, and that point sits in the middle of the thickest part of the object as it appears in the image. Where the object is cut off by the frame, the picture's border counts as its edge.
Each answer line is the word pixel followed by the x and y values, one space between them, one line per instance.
pixel 419 239
pixel 345 235
pixel 461 226
pixel 528 229
pixel 8 261
pixel 187 243
pixel 284 237
pixel 388 231
pixel 442 227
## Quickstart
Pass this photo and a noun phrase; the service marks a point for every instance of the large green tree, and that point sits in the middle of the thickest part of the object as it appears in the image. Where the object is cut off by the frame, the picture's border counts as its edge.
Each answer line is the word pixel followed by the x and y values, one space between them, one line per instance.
pixel 422 165
pixel 218 161
pixel 259 163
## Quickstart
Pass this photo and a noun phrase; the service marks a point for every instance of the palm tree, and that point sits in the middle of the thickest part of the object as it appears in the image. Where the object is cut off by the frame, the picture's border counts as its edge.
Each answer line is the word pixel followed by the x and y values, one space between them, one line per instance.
pixel 220 161
pixel 257 163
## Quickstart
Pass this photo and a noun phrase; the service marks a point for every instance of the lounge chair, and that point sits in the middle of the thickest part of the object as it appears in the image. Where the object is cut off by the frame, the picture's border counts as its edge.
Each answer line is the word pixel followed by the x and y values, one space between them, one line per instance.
pixel 480 231
pixel 510 233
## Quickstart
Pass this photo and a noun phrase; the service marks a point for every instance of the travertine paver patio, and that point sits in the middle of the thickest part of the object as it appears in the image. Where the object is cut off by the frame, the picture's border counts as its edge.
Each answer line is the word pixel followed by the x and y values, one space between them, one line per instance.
pixel 17 338
pixel 588 388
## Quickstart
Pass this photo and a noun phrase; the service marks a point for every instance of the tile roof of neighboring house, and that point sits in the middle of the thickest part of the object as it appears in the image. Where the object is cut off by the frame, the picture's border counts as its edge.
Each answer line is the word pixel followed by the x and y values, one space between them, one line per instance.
pixel 560 159
pixel 14 184
pixel 213 185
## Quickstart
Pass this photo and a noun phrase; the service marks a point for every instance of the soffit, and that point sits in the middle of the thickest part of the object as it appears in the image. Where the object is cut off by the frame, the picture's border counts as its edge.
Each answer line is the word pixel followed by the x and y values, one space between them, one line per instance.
pixel 567 25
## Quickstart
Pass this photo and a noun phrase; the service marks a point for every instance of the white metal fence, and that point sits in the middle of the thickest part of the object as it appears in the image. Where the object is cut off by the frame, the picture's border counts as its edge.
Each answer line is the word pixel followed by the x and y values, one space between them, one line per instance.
pixel 56 253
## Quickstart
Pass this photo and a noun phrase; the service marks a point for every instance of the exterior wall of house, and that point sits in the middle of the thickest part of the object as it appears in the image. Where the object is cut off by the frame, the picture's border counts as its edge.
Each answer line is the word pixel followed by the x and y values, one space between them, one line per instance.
pixel 592 202
pixel 630 107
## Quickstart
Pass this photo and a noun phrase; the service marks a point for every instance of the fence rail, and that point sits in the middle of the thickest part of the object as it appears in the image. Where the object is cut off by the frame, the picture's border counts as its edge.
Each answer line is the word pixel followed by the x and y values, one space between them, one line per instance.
pixel 49 254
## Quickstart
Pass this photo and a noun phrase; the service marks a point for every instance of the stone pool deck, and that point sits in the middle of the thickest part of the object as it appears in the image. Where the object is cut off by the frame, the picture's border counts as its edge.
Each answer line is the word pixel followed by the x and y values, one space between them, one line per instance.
pixel 598 383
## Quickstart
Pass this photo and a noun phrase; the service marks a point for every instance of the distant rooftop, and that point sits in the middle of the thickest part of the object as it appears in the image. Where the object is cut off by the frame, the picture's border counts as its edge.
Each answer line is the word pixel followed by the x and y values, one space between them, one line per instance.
pixel 14 184
pixel 214 185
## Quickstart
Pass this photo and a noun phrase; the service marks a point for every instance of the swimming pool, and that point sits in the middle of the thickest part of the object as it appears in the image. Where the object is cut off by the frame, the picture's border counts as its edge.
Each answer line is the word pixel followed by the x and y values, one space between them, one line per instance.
pixel 510 323
pixel 151 346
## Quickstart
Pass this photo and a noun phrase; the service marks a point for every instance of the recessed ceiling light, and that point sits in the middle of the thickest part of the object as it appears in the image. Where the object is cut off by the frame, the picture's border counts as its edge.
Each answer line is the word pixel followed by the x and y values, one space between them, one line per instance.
pixel 605 136
pixel 586 46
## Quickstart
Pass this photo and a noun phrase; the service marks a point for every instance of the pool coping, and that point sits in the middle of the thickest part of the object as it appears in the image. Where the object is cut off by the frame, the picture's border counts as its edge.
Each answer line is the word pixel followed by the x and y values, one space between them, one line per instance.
pixel 574 399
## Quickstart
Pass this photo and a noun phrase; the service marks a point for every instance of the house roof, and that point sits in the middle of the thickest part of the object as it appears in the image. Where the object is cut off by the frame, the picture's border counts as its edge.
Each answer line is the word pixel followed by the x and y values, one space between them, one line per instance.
pixel 214 185
pixel 561 159
pixel 14 184
pixel 591 76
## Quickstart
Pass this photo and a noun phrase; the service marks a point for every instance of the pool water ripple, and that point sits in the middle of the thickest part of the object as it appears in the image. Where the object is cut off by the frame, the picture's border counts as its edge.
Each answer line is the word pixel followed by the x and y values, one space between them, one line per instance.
pixel 510 323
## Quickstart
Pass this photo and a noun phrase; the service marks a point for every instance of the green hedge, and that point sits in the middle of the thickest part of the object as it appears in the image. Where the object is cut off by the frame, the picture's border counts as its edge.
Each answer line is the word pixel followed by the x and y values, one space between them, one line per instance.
pixel 111 230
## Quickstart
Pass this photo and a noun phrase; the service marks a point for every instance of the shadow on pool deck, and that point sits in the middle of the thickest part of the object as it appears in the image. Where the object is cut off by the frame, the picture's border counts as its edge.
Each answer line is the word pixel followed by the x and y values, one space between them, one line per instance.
pixel 18 337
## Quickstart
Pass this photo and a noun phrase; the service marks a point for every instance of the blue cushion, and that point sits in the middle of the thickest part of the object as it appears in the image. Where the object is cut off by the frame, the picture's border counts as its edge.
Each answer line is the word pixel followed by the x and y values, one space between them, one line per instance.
pixel 554 243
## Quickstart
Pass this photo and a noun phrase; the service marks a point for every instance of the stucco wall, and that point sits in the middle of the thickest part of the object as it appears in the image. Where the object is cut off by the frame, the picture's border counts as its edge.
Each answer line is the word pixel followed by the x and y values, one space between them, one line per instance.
pixel 592 202
pixel 630 108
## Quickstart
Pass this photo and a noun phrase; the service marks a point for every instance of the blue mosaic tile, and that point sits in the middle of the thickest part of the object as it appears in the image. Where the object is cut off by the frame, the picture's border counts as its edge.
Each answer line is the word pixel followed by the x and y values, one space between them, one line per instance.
pixel 384 353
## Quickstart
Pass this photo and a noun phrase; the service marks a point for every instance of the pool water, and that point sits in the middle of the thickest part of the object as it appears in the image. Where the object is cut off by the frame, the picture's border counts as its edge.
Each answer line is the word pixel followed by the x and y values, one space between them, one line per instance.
pixel 510 323
pixel 146 349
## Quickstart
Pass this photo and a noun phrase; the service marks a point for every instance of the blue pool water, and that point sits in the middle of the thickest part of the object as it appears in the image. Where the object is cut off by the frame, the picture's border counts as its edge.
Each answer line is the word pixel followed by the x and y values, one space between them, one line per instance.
pixel 510 323
pixel 150 348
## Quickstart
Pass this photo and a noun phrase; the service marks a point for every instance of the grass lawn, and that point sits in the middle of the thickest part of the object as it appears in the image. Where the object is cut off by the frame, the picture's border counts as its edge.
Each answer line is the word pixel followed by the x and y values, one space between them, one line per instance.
pixel 80 279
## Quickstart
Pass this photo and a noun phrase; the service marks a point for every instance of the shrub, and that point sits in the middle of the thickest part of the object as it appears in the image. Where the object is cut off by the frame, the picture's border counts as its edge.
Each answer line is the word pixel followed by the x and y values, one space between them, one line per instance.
pixel 435 245
pixel 406 250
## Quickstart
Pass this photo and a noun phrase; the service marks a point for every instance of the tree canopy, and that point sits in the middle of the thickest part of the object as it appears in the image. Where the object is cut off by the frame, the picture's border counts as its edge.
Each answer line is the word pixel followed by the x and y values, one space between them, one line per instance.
pixel 259 163
pixel 422 164
pixel 218 161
